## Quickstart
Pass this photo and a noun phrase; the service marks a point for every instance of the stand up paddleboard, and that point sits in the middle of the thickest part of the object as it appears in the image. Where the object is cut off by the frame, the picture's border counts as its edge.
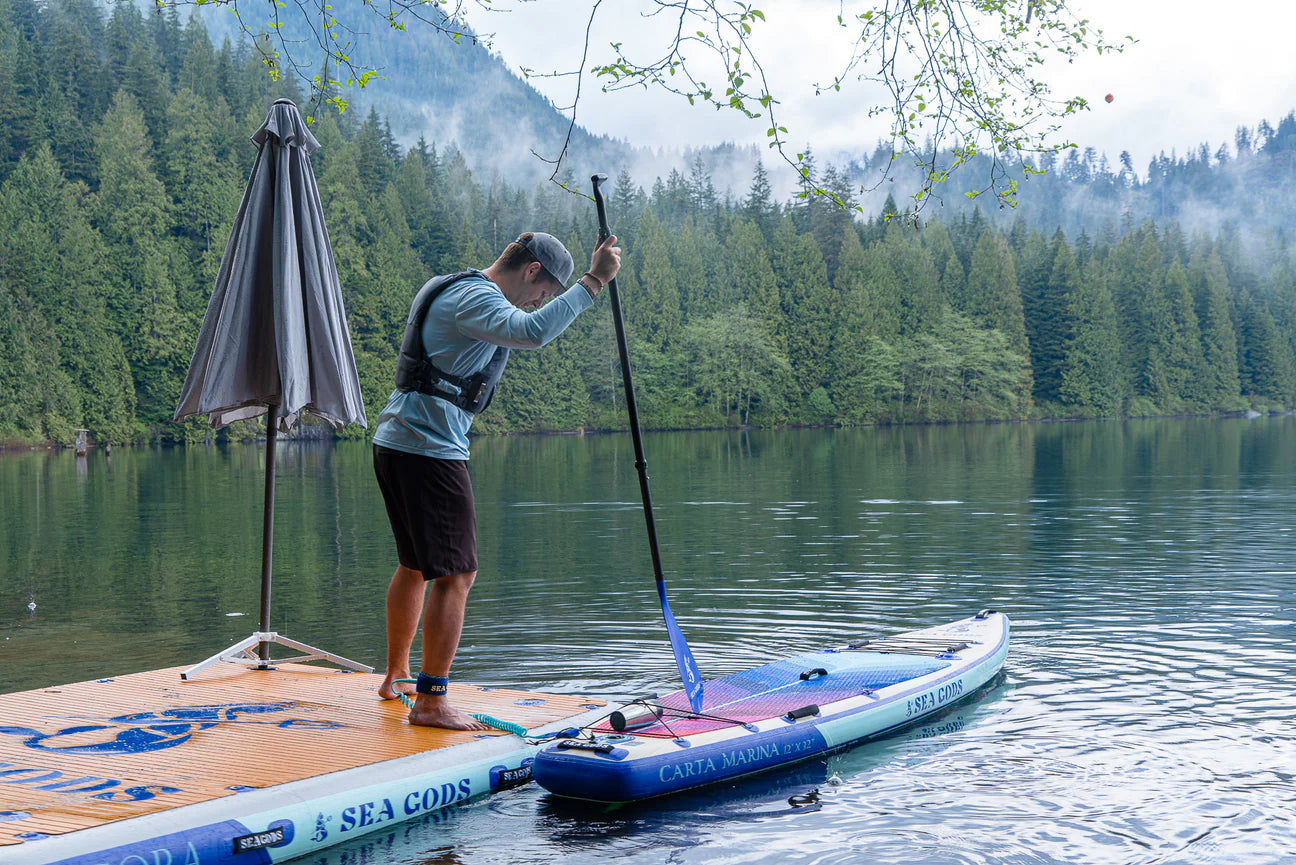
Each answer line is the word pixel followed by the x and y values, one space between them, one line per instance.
pixel 777 714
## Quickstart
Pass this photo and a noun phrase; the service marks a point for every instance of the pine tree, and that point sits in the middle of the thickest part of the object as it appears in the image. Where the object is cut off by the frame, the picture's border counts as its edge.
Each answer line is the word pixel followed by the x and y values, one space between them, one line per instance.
pixel 37 399
pixel 688 261
pixel 1155 333
pixel 21 75
pixel 921 300
pixel 751 279
pixel 953 274
pixel 654 311
pixel 806 303
pixel 993 299
pixel 1091 374
pixel 829 221
pixel 1221 388
pixel 1187 365
pixel 48 245
pixel 702 196
pixel 132 213
pixel 206 193
pixel 1055 329
pixel 1265 364
pixel 625 198
pixel 759 205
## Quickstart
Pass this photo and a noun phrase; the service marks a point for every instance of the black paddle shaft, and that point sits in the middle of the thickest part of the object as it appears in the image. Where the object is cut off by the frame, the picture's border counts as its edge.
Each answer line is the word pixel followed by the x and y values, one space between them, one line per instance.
pixel 640 463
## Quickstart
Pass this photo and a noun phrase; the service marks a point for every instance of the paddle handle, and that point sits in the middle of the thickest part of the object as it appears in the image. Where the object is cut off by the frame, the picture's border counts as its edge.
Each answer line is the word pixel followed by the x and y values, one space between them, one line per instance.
pixel 641 464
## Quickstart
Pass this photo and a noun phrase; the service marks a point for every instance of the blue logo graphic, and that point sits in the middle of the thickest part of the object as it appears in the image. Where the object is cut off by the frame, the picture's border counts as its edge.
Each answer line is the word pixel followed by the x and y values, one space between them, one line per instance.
pixel 145 732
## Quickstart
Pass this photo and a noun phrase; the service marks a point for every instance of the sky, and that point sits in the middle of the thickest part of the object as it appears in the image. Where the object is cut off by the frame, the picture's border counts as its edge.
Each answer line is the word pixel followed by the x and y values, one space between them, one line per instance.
pixel 1196 72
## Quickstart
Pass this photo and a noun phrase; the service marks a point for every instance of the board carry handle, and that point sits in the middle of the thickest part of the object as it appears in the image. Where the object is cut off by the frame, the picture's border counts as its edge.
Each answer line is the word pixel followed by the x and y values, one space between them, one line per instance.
pixel 579 745
pixel 810 674
pixel 803 712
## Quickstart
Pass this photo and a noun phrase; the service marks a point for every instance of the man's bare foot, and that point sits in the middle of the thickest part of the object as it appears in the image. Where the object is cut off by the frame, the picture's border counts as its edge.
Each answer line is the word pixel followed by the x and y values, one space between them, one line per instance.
pixel 436 711
pixel 388 689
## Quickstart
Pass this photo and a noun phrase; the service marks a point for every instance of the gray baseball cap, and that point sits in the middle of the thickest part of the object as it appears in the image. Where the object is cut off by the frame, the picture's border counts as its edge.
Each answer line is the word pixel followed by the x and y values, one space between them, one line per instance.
pixel 549 251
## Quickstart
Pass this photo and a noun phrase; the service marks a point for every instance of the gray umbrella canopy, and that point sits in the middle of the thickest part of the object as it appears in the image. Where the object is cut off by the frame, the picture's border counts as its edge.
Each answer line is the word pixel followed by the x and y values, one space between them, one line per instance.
pixel 275 333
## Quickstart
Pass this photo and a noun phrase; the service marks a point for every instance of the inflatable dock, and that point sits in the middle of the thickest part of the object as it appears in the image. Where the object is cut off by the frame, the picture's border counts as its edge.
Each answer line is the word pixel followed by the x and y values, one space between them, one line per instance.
pixel 242 765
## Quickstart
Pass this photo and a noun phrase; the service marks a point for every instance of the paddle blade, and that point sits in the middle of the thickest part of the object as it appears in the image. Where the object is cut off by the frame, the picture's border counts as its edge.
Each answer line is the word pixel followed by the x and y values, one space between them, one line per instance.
pixel 688 668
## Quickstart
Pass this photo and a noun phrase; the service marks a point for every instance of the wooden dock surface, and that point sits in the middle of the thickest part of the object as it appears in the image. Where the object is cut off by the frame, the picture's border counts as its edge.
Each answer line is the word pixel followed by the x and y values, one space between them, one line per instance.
pixel 80 755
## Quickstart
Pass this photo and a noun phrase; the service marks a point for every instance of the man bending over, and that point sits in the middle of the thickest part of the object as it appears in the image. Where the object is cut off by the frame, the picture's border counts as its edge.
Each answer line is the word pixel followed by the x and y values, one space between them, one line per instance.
pixel 460 329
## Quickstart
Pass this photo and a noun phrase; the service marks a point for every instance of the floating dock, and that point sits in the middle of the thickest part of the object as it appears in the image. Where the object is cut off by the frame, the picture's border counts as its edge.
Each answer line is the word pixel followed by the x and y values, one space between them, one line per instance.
pixel 242 765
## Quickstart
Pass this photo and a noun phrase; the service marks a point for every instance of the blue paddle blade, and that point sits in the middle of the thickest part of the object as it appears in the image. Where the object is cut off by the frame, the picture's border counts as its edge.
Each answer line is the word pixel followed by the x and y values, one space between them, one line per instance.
pixel 688 668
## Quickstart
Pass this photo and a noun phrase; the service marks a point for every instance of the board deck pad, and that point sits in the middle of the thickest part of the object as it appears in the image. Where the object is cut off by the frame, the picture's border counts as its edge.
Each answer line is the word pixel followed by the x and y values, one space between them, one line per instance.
pixel 777 688
pixel 80 755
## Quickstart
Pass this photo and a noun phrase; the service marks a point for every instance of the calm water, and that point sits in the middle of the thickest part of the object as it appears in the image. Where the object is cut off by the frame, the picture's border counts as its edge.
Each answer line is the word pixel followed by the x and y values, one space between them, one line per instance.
pixel 1145 714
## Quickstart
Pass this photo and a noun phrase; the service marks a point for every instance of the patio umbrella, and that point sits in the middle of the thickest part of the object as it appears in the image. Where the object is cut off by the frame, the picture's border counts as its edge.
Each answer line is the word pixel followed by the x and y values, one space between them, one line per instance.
pixel 274 340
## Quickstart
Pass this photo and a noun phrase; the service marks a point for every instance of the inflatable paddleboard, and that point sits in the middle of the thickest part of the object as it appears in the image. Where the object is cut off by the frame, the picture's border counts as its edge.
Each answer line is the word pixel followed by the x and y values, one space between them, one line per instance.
pixel 776 714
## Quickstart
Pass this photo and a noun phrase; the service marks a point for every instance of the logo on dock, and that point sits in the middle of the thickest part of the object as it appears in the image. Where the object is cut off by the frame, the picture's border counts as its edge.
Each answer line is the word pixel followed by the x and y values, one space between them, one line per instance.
pixel 145 732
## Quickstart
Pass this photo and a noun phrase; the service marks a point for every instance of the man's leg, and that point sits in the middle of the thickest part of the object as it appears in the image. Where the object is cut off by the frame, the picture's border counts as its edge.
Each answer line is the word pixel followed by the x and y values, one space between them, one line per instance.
pixel 404 602
pixel 443 618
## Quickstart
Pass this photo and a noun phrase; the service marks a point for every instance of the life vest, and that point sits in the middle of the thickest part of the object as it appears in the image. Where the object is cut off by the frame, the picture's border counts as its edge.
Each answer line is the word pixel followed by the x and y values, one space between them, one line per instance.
pixel 416 372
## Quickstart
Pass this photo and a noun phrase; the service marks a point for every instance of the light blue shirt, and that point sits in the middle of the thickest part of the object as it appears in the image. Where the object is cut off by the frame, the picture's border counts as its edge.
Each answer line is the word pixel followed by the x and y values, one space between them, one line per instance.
pixel 462 343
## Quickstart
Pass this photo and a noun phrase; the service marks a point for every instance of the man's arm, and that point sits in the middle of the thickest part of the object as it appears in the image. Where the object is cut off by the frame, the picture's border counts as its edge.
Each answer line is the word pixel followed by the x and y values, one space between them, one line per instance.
pixel 484 313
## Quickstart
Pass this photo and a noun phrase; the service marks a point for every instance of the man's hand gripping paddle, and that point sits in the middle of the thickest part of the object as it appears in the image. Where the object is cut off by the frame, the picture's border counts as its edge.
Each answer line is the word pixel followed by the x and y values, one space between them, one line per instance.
pixel 688 667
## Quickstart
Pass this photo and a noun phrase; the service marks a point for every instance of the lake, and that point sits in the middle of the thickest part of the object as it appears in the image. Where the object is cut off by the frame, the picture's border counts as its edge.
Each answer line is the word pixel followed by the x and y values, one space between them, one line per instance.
pixel 1145 714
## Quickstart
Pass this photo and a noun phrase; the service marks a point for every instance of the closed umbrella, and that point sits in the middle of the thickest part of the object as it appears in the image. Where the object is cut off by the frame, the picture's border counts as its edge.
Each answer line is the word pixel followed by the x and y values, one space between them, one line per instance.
pixel 274 340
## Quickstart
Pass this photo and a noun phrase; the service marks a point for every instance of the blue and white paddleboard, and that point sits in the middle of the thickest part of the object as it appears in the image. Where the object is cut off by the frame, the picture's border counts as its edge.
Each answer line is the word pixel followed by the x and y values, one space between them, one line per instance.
pixel 776 714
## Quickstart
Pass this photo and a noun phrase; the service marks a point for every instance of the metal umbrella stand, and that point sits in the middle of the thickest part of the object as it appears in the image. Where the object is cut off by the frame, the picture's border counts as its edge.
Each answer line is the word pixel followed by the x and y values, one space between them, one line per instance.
pixel 274 340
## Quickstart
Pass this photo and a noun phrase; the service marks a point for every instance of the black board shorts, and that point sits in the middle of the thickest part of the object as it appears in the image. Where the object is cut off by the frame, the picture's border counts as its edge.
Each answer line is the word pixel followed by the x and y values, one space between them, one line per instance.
pixel 430 506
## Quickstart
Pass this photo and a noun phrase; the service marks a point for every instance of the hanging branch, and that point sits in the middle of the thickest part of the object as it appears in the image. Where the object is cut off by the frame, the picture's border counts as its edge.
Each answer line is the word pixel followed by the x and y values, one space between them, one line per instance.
pixel 961 77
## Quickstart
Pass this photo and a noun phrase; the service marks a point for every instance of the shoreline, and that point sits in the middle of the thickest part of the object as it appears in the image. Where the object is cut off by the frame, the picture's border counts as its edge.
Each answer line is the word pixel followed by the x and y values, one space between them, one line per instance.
pixel 49 445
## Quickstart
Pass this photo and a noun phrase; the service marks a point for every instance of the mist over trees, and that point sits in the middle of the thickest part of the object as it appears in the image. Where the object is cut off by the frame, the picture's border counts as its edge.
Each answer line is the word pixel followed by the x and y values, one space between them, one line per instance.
pixel 124 150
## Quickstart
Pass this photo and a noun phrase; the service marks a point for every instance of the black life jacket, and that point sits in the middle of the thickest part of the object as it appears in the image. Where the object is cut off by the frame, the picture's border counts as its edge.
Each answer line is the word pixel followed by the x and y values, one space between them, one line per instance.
pixel 415 371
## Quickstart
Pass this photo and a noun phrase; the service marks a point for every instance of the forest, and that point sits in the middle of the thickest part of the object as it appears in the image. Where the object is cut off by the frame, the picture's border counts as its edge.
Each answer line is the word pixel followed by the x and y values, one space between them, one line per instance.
pixel 124 148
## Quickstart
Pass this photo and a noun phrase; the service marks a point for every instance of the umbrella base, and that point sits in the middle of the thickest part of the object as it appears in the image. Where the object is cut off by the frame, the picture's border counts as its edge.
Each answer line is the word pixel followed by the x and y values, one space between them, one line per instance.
pixel 244 652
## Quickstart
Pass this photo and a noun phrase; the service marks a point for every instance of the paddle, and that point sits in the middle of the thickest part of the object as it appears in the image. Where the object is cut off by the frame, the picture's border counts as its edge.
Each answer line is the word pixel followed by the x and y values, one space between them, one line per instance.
pixel 688 667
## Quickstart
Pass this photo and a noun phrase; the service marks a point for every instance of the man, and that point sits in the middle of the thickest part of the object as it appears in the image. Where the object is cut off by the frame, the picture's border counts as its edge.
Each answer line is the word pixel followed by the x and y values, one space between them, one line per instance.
pixel 456 343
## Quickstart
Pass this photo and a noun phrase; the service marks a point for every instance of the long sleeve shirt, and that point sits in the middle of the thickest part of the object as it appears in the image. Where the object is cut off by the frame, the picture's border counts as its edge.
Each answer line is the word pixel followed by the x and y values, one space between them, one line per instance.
pixel 463 327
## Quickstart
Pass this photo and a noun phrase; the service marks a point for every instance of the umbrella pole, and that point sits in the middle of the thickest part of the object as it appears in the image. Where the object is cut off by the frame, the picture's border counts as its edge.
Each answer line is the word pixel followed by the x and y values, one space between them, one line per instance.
pixel 254 651
pixel 267 529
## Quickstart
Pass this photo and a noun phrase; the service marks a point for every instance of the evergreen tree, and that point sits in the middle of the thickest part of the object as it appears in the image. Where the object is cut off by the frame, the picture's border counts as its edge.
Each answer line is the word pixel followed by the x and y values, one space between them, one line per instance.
pixel 1055 330
pixel 1156 337
pixel 751 279
pixel 921 300
pixel 131 209
pixel 1221 388
pixel 1187 365
pixel 625 198
pixel 37 399
pixel 21 74
pixel 48 245
pixel 688 261
pixel 702 196
pixel 1265 363
pixel 953 274
pixel 806 303
pixel 759 206
pixel 1091 373
pixel 206 192
pixel 1127 294
pixel 829 221
pixel 992 298
pixel 654 311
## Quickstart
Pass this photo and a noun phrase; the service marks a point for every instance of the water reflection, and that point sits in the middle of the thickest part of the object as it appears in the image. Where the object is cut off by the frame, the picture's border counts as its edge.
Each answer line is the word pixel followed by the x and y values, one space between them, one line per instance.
pixel 1144 714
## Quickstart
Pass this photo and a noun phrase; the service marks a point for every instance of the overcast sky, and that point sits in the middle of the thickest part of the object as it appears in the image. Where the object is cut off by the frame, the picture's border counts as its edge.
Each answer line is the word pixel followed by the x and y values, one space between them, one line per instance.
pixel 1197 72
